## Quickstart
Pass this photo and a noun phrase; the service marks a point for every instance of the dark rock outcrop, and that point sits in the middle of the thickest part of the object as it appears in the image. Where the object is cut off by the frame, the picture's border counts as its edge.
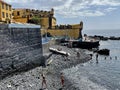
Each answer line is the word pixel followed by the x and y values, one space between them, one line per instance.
pixel 104 51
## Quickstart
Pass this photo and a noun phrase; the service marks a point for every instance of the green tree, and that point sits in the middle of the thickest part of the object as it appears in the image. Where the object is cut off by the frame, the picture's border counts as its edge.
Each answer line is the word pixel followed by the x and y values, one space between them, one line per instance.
pixel 35 20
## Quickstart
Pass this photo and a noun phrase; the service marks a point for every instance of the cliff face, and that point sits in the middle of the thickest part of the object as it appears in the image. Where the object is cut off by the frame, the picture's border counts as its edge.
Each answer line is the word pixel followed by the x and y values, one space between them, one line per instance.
pixel 20 49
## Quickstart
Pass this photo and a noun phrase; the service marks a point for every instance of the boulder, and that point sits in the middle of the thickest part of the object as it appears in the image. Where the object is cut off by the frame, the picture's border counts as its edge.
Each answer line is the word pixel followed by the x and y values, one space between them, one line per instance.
pixel 104 51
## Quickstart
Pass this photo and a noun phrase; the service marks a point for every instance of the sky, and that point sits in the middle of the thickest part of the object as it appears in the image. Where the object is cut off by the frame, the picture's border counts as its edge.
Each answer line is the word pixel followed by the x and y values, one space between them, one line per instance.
pixel 95 14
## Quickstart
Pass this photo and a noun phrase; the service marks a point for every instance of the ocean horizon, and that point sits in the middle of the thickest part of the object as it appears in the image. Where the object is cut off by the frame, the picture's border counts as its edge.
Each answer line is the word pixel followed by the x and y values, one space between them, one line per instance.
pixel 106 33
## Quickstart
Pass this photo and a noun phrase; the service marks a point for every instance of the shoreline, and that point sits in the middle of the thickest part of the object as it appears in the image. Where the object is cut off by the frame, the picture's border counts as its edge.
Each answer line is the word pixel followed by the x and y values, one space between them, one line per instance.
pixel 32 79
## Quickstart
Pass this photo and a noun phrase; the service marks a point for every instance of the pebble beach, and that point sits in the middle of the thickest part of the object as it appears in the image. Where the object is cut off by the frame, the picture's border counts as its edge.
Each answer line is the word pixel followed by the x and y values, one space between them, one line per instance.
pixel 32 80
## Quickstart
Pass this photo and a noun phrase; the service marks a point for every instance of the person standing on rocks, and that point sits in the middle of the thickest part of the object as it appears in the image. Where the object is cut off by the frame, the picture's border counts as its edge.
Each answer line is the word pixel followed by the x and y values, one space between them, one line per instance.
pixel 97 58
pixel 78 55
pixel 62 80
pixel 44 81
pixel 65 56
pixel 115 57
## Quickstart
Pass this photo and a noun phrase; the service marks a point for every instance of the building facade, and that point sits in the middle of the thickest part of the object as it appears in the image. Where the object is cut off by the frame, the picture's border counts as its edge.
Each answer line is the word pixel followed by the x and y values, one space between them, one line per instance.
pixel 20 15
pixel 5 12
pixel 47 19
pixel 72 31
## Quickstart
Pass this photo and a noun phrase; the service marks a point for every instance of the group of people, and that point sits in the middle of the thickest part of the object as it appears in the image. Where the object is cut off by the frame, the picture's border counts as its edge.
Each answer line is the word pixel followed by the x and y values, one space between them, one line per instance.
pixel 44 82
pixel 98 56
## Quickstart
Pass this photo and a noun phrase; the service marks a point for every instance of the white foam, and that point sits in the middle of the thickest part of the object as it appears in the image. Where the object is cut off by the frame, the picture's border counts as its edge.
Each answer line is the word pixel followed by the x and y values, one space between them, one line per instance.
pixel 80 80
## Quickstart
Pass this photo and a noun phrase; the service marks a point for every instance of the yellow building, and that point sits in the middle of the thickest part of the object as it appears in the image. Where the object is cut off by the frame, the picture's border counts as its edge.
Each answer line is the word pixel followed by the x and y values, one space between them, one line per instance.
pixel 47 19
pixel 72 31
pixel 5 12
pixel 48 22
pixel 21 15
pixel 76 26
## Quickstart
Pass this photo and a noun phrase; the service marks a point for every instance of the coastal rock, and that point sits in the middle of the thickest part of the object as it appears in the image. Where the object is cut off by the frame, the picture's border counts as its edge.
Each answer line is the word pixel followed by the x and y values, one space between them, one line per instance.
pixel 104 51
pixel 105 38
pixel 114 38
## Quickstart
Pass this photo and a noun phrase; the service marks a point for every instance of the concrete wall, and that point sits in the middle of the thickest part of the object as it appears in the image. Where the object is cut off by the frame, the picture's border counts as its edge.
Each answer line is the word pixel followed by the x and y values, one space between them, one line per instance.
pixel 20 49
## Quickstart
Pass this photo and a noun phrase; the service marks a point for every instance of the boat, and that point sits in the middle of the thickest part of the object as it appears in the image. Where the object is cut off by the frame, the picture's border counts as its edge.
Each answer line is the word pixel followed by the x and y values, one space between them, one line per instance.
pixel 83 44
pixel 58 51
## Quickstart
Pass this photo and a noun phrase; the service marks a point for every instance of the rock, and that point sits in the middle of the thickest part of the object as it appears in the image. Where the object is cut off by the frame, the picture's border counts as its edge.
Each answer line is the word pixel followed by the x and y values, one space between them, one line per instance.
pixel 114 38
pixel 9 85
pixel 104 51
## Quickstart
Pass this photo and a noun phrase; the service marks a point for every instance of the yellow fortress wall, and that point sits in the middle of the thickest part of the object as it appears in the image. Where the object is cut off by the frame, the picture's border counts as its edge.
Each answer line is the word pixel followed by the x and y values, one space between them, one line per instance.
pixel 73 33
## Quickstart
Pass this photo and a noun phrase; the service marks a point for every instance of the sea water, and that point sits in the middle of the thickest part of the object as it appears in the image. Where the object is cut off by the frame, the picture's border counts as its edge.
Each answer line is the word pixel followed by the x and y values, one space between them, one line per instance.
pixel 101 75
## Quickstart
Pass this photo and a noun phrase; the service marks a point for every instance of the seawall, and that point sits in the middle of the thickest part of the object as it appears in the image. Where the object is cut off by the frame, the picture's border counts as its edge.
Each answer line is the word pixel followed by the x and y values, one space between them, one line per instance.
pixel 20 48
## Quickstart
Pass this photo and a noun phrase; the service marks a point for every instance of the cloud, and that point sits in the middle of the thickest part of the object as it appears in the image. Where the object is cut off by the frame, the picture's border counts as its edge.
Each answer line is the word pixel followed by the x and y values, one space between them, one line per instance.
pixel 106 2
pixel 110 9
pixel 83 13
pixel 88 8
pixel 16 1
pixel 70 8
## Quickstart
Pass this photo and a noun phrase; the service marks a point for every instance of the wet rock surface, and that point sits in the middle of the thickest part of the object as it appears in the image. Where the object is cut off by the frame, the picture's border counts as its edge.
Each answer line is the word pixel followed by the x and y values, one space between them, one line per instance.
pixel 105 38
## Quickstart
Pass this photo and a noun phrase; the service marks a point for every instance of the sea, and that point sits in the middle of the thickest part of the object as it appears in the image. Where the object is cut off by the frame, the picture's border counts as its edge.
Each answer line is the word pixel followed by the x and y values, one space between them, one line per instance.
pixel 101 75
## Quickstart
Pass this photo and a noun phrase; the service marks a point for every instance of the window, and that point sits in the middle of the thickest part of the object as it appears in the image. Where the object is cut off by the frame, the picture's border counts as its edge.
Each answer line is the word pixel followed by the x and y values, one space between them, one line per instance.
pixel 27 10
pixel 10 15
pixel 6 7
pixel 3 14
pixel 18 13
pixel 6 14
pixel 10 8
pixel 2 5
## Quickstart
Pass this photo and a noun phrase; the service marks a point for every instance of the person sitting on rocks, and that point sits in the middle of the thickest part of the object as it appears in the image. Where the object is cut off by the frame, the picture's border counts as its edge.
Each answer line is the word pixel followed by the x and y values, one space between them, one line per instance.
pixel 97 58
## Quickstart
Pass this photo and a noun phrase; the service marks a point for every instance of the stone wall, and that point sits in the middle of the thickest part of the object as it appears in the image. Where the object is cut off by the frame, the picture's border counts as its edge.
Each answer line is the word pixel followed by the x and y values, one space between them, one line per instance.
pixel 73 33
pixel 20 49
pixel 21 20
